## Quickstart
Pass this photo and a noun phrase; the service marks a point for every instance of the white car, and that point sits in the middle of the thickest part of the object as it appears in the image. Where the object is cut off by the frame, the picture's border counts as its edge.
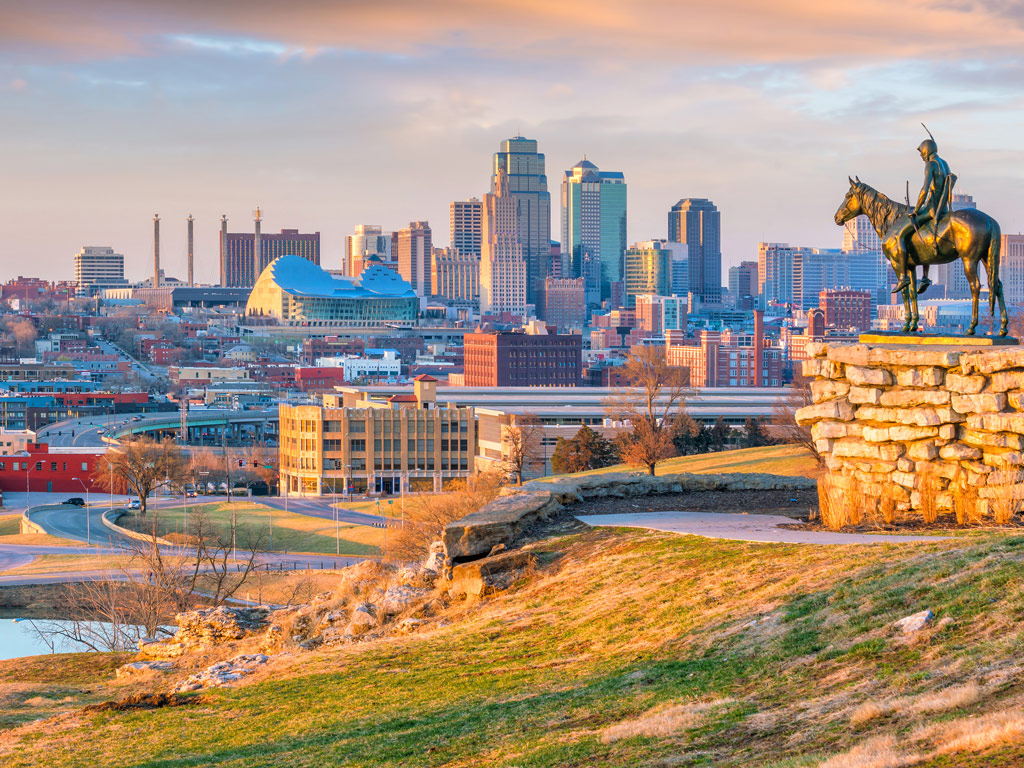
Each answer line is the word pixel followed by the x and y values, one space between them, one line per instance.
pixel 134 504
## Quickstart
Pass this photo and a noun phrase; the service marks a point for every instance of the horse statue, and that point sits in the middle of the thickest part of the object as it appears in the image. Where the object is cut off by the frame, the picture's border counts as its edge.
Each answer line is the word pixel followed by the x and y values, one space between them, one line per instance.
pixel 966 234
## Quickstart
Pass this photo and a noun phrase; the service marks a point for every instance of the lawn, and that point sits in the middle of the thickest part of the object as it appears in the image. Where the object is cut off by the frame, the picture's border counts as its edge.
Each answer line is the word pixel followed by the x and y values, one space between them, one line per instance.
pixel 631 649
pixel 10 533
pixel 61 563
pixel 292 532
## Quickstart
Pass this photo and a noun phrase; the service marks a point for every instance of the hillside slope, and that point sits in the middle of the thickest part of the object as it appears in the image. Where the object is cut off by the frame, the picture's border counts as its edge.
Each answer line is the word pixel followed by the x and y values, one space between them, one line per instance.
pixel 627 648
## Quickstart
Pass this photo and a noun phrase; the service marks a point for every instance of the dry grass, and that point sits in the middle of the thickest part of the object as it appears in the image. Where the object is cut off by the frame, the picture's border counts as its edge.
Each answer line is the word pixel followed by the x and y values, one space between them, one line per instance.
pixel 966 501
pixel 953 697
pixel 1006 503
pixel 930 488
pixel 979 733
pixel 662 722
pixel 62 563
pixel 876 752
pixel 832 506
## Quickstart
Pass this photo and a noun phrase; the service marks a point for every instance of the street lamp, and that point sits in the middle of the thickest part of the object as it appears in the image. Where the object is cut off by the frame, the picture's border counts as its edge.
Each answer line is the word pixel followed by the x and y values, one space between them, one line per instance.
pixel 28 488
pixel 88 532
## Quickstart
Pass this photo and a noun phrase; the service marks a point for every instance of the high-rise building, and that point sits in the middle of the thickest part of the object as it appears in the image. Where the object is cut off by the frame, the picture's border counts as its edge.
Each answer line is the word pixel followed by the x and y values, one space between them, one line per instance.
pixel 743 284
pixel 1011 268
pixel 594 227
pixel 455 275
pixel 523 167
pixel 560 302
pixel 517 359
pixel 465 221
pixel 503 274
pixel 238 249
pixel 658 314
pixel 697 222
pixel 415 252
pixel 367 240
pixel 846 309
pixel 98 267
pixel 648 271
pixel 952 276
pixel 859 235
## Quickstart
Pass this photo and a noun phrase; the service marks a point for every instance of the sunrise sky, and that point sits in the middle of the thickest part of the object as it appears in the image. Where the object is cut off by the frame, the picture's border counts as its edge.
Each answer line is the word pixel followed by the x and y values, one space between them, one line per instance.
pixel 330 114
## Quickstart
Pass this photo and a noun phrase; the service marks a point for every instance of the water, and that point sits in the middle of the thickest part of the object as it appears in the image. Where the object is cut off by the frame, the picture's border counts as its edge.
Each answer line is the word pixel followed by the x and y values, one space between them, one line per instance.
pixel 21 638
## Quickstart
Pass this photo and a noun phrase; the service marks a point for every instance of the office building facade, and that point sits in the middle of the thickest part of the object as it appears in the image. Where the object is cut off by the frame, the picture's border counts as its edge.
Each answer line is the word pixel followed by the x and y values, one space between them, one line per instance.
pixel 237 249
pixel 367 240
pixel 503 271
pixel 415 252
pixel 846 309
pixel 648 271
pixel 561 303
pixel 518 359
pixel 97 268
pixel 465 221
pixel 594 228
pixel 697 222
pixel 523 167
pixel 456 275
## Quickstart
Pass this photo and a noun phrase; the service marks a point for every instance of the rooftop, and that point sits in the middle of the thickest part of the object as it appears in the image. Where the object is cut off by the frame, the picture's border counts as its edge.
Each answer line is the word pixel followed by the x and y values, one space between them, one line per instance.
pixel 300 277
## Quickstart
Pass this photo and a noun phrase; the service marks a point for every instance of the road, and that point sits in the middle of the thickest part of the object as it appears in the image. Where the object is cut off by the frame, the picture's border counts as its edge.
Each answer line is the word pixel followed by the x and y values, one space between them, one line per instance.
pixel 739 527
pixel 78 523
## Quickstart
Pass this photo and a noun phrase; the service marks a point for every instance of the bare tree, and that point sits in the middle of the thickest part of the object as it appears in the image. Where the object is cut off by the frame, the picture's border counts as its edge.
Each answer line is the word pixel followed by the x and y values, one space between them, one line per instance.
pixel 652 402
pixel 23 332
pixel 784 424
pixel 521 444
pixel 143 466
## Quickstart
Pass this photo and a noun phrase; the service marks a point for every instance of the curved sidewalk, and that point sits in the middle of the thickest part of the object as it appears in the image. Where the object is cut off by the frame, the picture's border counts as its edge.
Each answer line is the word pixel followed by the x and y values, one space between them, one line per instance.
pixel 740 527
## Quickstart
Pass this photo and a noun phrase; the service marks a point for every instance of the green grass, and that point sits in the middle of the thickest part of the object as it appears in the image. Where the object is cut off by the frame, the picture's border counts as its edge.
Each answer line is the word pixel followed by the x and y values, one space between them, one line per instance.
pixel 788 638
pixel 773 459
pixel 10 525
pixel 292 532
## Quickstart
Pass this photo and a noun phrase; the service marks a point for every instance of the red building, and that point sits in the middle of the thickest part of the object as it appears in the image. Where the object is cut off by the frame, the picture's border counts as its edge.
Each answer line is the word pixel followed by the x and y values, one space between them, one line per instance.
pixel 519 359
pixel 319 379
pixel 845 309
pixel 727 358
pixel 52 470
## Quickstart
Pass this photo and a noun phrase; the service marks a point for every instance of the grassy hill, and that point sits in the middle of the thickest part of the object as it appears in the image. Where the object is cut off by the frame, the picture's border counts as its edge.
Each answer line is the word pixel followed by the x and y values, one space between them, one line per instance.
pixel 624 648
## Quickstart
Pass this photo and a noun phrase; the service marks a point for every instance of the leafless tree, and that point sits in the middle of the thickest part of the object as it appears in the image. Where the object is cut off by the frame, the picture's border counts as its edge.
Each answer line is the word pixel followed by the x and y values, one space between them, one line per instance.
pixel 521 444
pixel 23 332
pixel 651 402
pixel 142 466
pixel 784 424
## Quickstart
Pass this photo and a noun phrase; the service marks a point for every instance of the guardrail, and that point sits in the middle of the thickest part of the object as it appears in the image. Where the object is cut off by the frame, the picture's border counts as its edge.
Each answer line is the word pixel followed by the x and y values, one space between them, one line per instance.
pixel 109 523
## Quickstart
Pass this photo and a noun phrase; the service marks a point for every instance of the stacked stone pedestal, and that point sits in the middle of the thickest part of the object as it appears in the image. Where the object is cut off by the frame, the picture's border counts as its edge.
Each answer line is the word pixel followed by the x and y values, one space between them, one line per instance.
pixel 915 420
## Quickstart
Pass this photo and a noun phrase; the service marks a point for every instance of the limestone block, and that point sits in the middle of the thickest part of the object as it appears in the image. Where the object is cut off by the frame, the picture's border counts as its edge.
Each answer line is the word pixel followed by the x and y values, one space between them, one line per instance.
pixel 817 349
pixel 905 465
pixel 1015 399
pixel 947 432
pixel 878 414
pixel 958 452
pixel 828 389
pixel 926 450
pixel 924 416
pixel 931 376
pixel 1000 381
pixel 910 398
pixel 1007 477
pixel 865 395
pixel 991 402
pixel 834 429
pixel 876 434
pixel 905 434
pixel 850 354
pixel 834 463
pixel 992 360
pixel 1003 459
pixel 993 439
pixel 997 422
pixel 837 410
pixel 860 376
pixel 976 467
pixel 823 445
pixel 940 469
pixel 906 479
pixel 821 368
pixel 862 450
pixel 964 385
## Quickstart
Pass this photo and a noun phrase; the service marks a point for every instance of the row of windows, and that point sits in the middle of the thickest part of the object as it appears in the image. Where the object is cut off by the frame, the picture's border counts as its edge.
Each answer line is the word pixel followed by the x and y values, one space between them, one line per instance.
pixel 23 466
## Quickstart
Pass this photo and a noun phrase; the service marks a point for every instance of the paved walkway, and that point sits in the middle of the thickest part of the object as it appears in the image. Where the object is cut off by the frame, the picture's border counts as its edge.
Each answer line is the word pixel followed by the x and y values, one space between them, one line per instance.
pixel 739 527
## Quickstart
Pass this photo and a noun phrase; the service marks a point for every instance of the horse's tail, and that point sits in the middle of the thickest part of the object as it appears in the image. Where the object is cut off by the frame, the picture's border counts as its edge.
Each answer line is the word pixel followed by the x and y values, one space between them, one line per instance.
pixel 995 285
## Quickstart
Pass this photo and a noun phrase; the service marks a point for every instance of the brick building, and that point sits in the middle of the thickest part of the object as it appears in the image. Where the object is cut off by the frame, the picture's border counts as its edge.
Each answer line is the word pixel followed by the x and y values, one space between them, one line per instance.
pixel 52 470
pixel 727 358
pixel 845 308
pixel 539 358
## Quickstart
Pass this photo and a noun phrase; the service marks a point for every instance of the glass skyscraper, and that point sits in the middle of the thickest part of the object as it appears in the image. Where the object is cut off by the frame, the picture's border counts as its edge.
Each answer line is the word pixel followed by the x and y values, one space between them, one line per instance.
pixel 697 222
pixel 523 167
pixel 593 228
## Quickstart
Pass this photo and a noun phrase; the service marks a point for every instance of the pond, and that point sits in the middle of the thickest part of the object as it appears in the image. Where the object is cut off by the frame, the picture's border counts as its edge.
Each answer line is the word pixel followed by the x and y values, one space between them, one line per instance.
pixel 21 637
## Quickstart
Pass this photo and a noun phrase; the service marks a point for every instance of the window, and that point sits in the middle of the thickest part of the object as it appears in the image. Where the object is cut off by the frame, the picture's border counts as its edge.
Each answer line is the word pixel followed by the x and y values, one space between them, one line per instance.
pixel 3 466
pixel 39 466
pixel 357 446
pixel 357 427
pixel 53 466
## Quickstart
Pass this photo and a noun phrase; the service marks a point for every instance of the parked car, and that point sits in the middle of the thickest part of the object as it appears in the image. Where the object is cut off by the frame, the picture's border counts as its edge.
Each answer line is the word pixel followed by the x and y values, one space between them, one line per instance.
pixel 76 501
pixel 134 504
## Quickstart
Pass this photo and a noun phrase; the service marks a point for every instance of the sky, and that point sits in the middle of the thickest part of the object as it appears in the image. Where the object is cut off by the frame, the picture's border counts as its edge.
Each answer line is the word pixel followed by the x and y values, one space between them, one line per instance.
pixel 332 113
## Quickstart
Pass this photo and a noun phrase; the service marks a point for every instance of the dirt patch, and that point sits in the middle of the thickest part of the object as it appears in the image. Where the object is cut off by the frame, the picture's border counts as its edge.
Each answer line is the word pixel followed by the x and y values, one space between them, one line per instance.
pixel 144 701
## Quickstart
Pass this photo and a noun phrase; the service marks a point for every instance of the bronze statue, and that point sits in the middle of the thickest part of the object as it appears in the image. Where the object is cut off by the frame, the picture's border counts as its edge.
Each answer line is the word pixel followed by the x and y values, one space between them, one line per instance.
pixel 931 233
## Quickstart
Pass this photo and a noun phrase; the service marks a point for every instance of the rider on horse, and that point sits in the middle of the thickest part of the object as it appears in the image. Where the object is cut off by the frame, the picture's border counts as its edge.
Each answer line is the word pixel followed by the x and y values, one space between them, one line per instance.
pixel 932 205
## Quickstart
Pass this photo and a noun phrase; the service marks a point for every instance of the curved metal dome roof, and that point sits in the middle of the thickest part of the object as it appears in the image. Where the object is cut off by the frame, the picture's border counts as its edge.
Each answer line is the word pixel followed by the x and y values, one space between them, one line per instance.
pixel 300 277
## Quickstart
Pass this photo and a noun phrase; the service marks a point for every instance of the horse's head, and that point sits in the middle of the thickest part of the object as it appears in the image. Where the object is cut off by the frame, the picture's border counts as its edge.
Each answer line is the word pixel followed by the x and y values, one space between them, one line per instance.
pixel 850 208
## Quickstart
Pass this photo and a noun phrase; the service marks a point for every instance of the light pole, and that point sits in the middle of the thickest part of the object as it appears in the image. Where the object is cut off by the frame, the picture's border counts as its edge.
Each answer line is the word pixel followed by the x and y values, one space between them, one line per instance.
pixel 337 524
pixel 88 532
pixel 28 488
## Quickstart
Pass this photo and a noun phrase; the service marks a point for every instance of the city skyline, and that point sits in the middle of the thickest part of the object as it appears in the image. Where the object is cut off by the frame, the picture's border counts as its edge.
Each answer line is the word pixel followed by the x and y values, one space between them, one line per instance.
pixel 113 112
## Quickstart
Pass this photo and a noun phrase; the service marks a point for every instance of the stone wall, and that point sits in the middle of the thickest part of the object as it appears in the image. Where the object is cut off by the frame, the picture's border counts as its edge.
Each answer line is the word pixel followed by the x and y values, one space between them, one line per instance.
pixel 905 418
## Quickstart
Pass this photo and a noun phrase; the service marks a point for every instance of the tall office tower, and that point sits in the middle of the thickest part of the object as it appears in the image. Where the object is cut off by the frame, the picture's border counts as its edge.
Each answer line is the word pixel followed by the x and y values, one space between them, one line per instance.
pixel 455 275
pixel 502 266
pixel 415 251
pixel 743 284
pixel 1011 268
pixel 239 265
pixel 594 227
pixel 156 250
pixel 464 221
pixel 367 240
pixel 97 268
pixel 794 277
pixel 648 270
pixel 560 302
pixel 523 166
pixel 859 235
pixel 697 222
pixel 191 276
pixel 952 275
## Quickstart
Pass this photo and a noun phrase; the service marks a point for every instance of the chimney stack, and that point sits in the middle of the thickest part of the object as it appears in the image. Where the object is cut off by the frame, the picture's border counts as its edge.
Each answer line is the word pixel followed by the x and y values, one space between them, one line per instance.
pixel 156 250
pixel 191 280
pixel 223 251
pixel 256 247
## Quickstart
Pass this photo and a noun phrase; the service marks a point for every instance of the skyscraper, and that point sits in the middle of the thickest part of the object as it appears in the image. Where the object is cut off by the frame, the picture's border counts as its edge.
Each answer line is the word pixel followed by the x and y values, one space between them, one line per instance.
pixel 238 261
pixel 415 252
pixel 696 222
pixel 594 227
pixel 502 266
pixel 523 166
pixel 97 268
pixel 464 219
pixel 367 240
pixel 648 270
pixel 743 284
